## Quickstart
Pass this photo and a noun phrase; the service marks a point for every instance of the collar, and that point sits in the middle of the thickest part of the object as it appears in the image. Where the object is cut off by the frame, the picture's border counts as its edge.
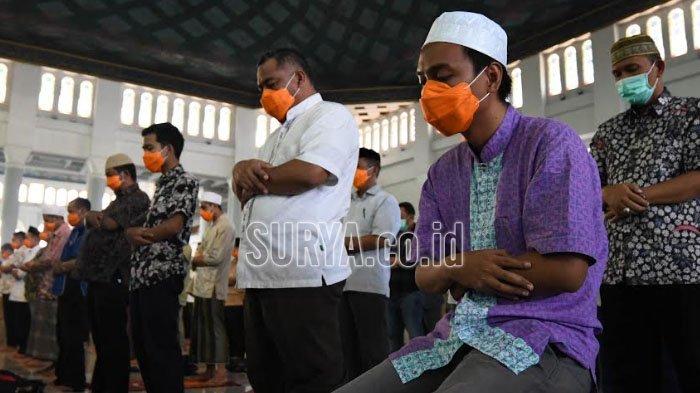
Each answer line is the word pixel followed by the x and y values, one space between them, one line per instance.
pixel 656 107
pixel 302 107
pixel 177 171
pixel 374 190
pixel 127 191
pixel 500 139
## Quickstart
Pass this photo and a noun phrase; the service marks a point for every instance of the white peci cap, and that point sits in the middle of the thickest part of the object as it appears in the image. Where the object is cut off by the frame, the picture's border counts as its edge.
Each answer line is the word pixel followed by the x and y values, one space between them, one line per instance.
pixel 474 31
pixel 53 211
pixel 211 197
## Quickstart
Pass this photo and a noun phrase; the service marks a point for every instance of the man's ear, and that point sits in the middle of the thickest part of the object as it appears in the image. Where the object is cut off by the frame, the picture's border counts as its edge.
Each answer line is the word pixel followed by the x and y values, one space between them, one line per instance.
pixel 494 73
pixel 661 66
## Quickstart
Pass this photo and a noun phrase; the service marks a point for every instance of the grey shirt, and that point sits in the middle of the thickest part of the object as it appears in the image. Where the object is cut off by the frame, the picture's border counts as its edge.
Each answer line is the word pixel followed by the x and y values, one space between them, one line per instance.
pixel 376 212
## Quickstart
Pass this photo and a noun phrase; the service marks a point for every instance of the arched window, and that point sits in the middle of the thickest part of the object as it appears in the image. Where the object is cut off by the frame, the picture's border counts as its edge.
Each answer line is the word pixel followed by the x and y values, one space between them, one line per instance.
pixel 50 196
pixel 72 195
pixel 161 108
pixel 633 29
pixel 655 31
pixel 385 135
pixel 209 123
pixel 695 7
pixel 394 132
pixel 517 97
pixel 46 93
pixel 145 110
pixel 260 130
pixel 65 96
pixel 376 137
pixel 61 197
pixel 22 195
pixel 193 118
pixel 587 57
pixel 127 110
pixel 85 99
pixel 412 125
pixel 570 68
pixel 678 44
pixel 83 194
pixel 3 82
pixel 403 126
pixel 368 137
pixel 35 193
pixel 178 118
pixel 554 74
pixel 224 130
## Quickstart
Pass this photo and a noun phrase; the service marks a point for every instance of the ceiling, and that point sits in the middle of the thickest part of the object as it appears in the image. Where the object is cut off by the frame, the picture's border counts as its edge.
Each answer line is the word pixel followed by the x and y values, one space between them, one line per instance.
pixel 360 50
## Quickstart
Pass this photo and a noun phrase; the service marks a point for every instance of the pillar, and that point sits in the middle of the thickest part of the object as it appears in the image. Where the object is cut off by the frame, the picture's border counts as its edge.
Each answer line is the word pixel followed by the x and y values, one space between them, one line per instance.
pixel 10 204
pixel 95 190
pixel 423 152
pixel 606 101
pixel 244 149
pixel 534 86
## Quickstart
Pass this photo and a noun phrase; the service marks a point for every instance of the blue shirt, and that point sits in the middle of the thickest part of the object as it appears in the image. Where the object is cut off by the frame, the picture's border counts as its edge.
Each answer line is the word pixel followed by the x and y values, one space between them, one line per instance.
pixel 70 251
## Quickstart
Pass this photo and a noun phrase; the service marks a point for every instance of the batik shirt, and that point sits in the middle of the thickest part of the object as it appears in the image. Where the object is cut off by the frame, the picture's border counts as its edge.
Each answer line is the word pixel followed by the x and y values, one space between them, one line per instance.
pixel 648 145
pixel 534 187
pixel 176 193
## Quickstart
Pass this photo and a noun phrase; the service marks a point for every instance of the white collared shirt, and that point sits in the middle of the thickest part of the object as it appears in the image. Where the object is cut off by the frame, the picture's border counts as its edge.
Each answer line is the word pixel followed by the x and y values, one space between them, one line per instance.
pixel 376 212
pixel 20 257
pixel 298 241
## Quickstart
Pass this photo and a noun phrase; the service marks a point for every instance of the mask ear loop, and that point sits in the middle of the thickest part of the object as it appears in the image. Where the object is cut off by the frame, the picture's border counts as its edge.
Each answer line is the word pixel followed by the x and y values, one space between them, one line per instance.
pixel 290 81
pixel 474 80
pixel 657 77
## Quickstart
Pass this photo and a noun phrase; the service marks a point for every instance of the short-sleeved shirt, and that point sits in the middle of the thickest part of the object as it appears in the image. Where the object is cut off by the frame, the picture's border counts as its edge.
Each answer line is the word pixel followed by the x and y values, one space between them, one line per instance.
pixel 71 250
pixel 376 212
pixel 646 145
pixel 176 193
pixel 298 240
pixel 21 256
pixel 50 256
pixel 105 251
pixel 538 189
pixel 403 274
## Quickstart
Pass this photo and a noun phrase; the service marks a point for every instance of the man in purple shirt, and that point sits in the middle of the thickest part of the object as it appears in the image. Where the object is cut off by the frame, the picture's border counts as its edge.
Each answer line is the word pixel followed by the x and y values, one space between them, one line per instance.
pixel 511 223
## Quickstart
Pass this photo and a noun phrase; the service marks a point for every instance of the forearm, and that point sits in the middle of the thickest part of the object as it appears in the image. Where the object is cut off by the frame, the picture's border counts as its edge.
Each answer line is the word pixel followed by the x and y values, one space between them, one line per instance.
pixel 553 274
pixel 677 190
pixel 294 177
pixel 434 276
pixel 167 229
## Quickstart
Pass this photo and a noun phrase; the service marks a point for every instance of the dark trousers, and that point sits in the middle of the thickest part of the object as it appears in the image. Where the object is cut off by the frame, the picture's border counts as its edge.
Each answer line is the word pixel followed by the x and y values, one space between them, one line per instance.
pixel 640 323
pixel 364 332
pixel 72 329
pixel 432 309
pixel 293 339
pixel 235 330
pixel 20 319
pixel 154 323
pixel 405 313
pixel 107 308
pixel 6 316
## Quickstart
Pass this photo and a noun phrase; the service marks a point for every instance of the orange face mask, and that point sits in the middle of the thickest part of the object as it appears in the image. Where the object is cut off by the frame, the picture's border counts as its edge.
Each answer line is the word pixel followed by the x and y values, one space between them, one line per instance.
pixel 206 215
pixel 450 109
pixel 361 178
pixel 49 226
pixel 28 243
pixel 74 219
pixel 115 182
pixel 153 160
pixel 277 102
pixel 44 236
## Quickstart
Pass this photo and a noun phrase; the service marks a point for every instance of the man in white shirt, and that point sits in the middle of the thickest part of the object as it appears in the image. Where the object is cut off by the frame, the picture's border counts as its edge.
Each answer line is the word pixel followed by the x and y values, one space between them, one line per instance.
pixel 293 261
pixel 371 226
pixel 18 300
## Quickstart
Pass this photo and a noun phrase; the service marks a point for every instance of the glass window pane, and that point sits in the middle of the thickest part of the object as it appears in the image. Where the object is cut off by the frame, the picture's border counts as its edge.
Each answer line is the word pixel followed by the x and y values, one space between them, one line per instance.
pixel 570 68
pixel 394 132
pixel 696 24
pixel 368 137
pixel 72 195
pixel 83 194
pixel 412 125
pixel 50 196
pixel 22 196
pixel 193 118
pixel 403 129
pixel 46 93
pixel 587 56
pixel 654 30
pixel 106 200
pixel 224 123
pixel 517 96
pixel 62 197
pixel 260 130
pixel 127 110
pixel 554 74
pixel 3 82
pixel 65 96
pixel 633 29
pixel 145 110
pixel 178 118
pixel 376 137
pixel 35 193
pixel 385 135
pixel 676 31
pixel 274 125
pixel 85 99
pixel 209 123
pixel 162 108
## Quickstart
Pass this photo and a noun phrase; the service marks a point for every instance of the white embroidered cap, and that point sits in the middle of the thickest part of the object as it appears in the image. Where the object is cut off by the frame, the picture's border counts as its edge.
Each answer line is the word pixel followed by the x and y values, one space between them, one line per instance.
pixel 211 197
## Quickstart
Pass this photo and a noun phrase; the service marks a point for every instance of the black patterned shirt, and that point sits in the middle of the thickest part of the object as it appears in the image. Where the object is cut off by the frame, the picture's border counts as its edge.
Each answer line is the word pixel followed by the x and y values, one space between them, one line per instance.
pixel 647 145
pixel 176 193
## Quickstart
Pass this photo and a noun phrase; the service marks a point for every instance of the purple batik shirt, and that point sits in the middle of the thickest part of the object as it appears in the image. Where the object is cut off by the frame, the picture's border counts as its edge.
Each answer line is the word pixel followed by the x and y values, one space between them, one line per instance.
pixel 548 200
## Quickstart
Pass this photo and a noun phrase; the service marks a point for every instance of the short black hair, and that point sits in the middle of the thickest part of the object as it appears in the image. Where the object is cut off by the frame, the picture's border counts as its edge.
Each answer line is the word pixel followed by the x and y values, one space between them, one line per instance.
pixel 33 232
pixel 288 56
pixel 481 61
pixel 372 156
pixel 408 207
pixel 166 134
pixel 81 203
pixel 128 168
pixel 20 235
pixel 7 247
